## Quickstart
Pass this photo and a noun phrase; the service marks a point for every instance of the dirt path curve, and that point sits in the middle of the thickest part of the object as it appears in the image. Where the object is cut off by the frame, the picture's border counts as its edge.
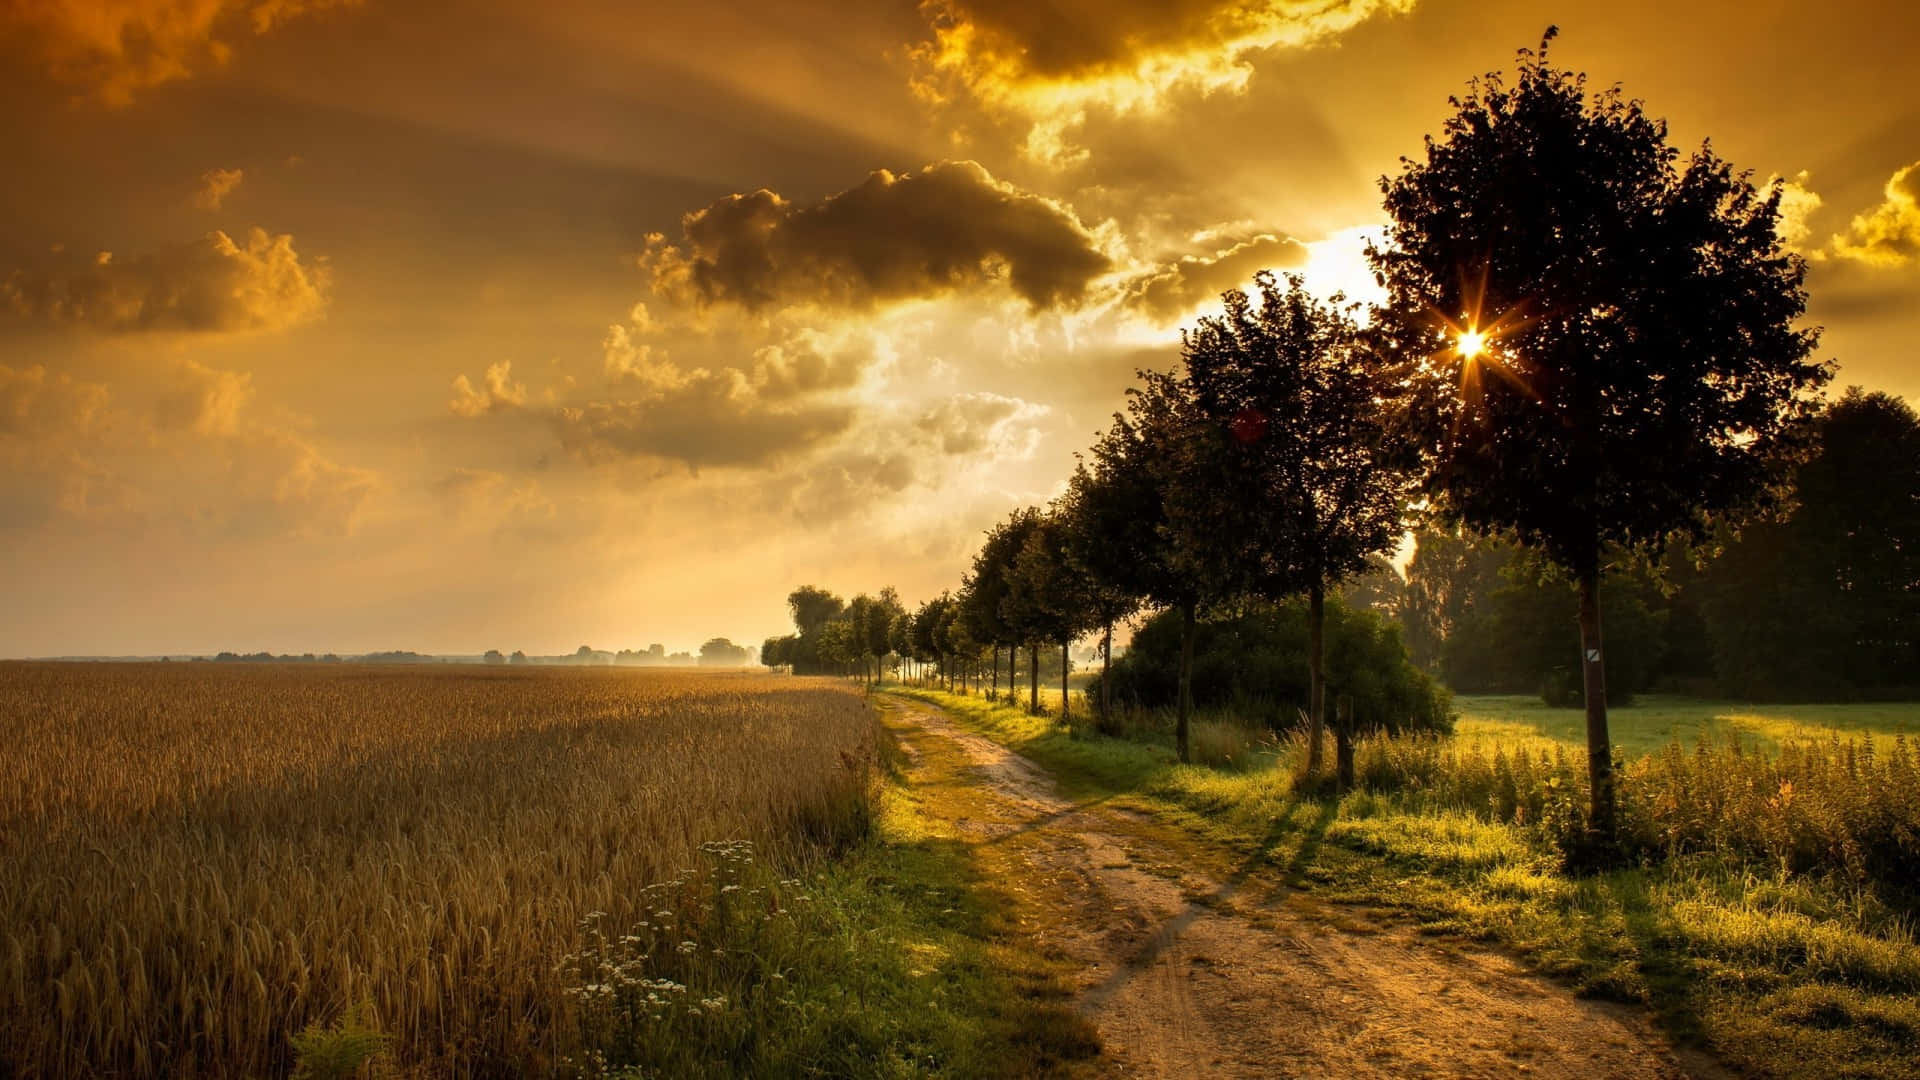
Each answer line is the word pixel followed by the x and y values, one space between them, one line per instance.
pixel 1192 969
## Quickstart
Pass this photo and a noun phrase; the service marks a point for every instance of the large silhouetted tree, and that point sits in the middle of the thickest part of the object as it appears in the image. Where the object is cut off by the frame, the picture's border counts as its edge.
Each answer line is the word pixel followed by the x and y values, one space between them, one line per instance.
pixel 1599 338
pixel 1309 459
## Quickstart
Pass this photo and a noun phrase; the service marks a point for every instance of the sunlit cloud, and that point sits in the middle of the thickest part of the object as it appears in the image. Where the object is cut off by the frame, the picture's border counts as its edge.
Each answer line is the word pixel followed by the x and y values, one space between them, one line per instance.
pixel 1175 290
pixel 497 392
pixel 185 450
pixel 215 186
pixel 214 284
pixel 1887 234
pixel 1798 203
pixel 1050 63
pixel 111 50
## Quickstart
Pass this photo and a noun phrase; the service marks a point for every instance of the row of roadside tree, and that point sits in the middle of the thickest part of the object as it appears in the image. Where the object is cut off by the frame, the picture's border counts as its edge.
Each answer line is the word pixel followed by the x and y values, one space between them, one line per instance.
pixel 1589 348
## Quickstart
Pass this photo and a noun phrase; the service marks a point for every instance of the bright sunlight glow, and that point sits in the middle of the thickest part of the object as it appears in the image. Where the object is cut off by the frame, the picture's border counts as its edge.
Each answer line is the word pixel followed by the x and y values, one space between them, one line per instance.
pixel 1473 344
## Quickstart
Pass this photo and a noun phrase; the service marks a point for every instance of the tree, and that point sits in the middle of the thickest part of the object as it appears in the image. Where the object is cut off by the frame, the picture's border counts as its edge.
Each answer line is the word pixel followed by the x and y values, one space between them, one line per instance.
pixel 1049 598
pixel 900 641
pixel 1310 451
pixel 1826 603
pixel 1097 517
pixel 988 582
pixel 812 608
pixel 721 652
pixel 494 656
pixel 878 627
pixel 926 629
pixel 1190 543
pixel 777 652
pixel 518 657
pixel 1599 344
pixel 1450 571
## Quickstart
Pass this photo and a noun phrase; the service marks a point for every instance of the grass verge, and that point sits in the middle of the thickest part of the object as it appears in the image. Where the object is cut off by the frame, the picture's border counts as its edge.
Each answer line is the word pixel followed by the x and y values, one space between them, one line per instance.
pixel 1773 972
pixel 897 959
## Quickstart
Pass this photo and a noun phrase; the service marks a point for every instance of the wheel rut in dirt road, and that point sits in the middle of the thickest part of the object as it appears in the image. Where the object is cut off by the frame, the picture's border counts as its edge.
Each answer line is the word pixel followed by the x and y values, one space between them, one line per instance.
pixel 1189 965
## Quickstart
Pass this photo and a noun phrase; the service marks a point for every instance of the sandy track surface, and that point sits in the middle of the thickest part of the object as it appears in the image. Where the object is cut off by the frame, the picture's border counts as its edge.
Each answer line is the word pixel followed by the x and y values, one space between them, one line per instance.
pixel 1192 969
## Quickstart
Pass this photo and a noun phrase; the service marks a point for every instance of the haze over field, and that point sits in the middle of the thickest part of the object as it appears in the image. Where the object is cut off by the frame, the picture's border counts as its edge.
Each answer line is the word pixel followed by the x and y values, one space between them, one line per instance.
pixel 369 325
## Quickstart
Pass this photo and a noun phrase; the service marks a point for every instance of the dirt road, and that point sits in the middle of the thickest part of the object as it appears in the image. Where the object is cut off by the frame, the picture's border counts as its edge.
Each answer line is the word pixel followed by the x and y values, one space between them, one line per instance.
pixel 1188 968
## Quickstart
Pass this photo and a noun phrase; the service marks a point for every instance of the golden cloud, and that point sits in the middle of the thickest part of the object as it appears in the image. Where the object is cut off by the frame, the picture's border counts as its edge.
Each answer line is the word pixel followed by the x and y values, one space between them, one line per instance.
pixel 972 423
pixel 197 457
pixel 1048 63
pixel 215 186
pixel 1171 291
pixel 949 226
pixel 1888 234
pixel 51 430
pixel 113 49
pixel 706 421
pixel 211 285
pixel 497 392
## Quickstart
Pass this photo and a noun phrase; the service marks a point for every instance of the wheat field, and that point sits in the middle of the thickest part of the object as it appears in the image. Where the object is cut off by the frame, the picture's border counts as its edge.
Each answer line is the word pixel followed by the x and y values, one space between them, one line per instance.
pixel 199 860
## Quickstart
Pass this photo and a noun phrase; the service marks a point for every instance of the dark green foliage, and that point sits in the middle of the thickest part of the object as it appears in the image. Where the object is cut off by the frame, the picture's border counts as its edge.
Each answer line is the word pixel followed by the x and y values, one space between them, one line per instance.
pixel 990 582
pixel 1521 637
pixel 1826 604
pixel 1256 663
pixel 1450 572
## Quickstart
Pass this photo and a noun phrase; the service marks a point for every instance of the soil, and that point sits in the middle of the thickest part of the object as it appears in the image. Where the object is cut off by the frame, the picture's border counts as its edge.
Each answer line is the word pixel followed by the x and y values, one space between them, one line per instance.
pixel 1188 965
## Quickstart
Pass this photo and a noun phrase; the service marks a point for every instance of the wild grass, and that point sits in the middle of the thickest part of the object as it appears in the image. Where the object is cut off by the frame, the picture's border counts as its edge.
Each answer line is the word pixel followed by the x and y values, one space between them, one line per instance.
pixel 1769 914
pixel 198 862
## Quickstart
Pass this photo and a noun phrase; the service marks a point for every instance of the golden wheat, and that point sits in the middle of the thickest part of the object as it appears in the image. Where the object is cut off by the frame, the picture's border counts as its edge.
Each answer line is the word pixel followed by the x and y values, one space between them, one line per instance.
pixel 197 860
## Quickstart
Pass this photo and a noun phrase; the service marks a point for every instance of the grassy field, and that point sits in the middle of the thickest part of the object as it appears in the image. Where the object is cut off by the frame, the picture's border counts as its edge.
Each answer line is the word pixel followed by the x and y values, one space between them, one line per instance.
pixel 1795 964
pixel 1654 719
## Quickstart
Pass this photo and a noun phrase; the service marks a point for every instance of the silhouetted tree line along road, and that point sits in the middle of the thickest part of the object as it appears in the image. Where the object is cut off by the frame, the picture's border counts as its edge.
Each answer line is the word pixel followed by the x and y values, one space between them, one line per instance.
pixel 1586 391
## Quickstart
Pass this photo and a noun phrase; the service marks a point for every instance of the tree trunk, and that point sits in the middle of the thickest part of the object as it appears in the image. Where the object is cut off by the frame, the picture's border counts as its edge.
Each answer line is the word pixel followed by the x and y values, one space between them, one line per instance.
pixel 1064 711
pixel 1033 679
pixel 994 690
pixel 1316 676
pixel 1188 631
pixel 1600 817
pixel 1106 673
pixel 1343 743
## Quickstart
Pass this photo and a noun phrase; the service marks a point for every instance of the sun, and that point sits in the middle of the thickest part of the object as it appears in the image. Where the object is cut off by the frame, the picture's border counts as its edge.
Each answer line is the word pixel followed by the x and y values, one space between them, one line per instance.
pixel 1472 344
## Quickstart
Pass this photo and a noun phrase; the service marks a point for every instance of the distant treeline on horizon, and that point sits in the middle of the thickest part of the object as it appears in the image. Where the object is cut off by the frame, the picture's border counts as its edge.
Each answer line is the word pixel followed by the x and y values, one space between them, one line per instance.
pixel 718 652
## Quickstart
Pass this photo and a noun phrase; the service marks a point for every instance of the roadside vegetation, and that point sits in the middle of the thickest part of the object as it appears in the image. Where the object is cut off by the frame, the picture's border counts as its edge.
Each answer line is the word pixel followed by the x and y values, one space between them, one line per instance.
pixel 1745 921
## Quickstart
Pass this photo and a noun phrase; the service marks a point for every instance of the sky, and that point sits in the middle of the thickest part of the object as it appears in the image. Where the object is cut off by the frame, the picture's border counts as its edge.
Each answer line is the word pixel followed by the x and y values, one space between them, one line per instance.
pixel 387 324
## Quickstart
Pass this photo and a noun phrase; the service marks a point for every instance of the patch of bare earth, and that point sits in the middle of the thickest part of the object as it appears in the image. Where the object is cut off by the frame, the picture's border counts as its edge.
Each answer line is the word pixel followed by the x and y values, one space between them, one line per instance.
pixel 1188 968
